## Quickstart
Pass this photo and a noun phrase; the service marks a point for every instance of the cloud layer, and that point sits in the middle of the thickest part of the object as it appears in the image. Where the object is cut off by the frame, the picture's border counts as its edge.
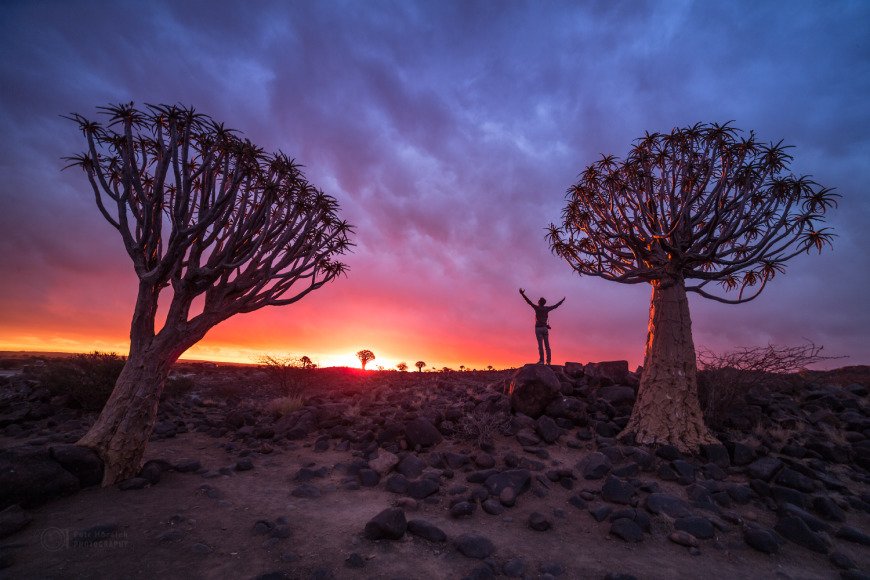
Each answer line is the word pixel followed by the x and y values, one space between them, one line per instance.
pixel 449 132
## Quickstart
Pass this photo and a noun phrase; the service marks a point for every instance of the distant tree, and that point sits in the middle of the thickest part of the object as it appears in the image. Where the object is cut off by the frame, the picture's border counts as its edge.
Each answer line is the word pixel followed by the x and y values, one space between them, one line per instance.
pixel 365 356
pixel 307 363
pixel 489 367
pixel 420 364
pixel 402 366
pixel 212 220
pixel 462 367
pixel 701 203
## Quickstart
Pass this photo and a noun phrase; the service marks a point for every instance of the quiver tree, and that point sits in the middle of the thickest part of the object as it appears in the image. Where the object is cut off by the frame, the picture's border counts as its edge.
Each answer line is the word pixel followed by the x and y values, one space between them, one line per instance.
pixel 419 364
pixel 209 218
pixel 701 209
pixel 365 356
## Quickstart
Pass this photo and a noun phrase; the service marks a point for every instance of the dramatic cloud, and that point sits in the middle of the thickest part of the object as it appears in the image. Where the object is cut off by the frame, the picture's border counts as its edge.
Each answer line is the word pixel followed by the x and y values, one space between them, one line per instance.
pixel 449 132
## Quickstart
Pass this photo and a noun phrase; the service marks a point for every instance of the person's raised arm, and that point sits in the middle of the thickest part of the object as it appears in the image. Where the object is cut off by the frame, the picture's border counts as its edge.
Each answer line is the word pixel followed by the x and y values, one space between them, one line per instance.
pixel 526 298
pixel 556 305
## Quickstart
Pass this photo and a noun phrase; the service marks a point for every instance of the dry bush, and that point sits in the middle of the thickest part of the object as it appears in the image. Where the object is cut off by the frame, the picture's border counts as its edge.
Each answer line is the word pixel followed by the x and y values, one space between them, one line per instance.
pixel 290 375
pixel 482 423
pixel 285 405
pixel 725 379
pixel 88 379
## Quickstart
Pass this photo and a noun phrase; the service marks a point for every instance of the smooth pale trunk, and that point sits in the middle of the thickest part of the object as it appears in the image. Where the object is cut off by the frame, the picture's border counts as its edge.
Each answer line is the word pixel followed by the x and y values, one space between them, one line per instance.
pixel 125 424
pixel 667 409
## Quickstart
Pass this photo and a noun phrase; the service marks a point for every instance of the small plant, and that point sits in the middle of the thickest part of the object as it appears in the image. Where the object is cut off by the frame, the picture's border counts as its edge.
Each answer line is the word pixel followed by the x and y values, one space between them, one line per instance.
pixel 88 379
pixel 177 386
pixel 285 405
pixel 481 424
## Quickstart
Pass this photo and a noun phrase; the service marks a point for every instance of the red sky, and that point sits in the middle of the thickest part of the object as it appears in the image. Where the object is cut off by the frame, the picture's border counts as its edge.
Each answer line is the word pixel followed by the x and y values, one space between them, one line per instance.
pixel 449 133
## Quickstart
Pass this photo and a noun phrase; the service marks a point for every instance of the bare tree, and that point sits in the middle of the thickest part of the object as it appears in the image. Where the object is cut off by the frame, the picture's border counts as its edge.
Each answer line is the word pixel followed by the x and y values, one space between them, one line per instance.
pixel 211 219
pixel 365 356
pixel 702 203
pixel 402 366
pixel 420 364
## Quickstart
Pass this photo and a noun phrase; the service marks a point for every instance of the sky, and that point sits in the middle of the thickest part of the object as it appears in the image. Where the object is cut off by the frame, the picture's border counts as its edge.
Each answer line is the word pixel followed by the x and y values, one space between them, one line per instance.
pixel 449 133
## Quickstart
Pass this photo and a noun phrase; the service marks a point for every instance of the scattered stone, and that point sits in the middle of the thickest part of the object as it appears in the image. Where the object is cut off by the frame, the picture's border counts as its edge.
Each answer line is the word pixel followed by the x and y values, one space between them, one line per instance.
pixel 474 546
pixel 369 477
pixel 384 462
pixel 354 561
pixel 539 522
pixel 133 483
pixel 82 462
pixel 422 488
pixel 307 474
pixel 616 395
pixel 462 509
pixel 188 466
pixel 13 519
pixel 791 478
pixel 397 483
pixel 616 490
pixel 492 507
pixel 29 477
pixel 842 561
pixel 389 524
pixel 244 464
pixel 532 388
pixel 683 539
pixel 595 466
pixel 698 526
pixel 626 530
pixel 306 491
pixel 658 503
pixel 547 429
pixel 427 531
pixel 600 513
pixel 764 468
pixel 795 529
pixel 742 454
pixel 423 433
pixel 170 536
pixel 762 539
pixel 411 466
pixel 514 568
pixel 852 534
pixel 519 480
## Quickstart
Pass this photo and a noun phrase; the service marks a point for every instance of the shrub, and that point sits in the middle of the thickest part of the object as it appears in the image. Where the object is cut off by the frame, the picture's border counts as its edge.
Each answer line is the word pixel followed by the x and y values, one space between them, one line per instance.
pixel 88 379
pixel 177 386
pixel 285 405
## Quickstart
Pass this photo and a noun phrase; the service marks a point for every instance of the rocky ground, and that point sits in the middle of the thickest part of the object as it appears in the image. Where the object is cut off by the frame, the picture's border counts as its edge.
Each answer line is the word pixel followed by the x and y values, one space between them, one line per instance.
pixel 435 475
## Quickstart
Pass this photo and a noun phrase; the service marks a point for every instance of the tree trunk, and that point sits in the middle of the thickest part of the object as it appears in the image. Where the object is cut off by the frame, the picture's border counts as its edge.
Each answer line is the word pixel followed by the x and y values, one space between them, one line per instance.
pixel 125 424
pixel 667 408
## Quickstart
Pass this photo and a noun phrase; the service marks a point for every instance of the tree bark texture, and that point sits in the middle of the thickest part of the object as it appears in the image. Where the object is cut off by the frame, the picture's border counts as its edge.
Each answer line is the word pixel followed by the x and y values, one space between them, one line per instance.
pixel 125 424
pixel 667 409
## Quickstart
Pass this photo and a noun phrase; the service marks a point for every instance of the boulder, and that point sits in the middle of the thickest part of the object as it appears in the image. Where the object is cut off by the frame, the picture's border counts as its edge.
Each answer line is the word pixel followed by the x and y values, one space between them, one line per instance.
pixel 13 519
pixel 29 476
pixel 519 480
pixel 421 432
pixel 82 462
pixel 615 371
pixel 532 388
pixel 616 394
pixel 384 462
pixel 474 546
pixel 389 524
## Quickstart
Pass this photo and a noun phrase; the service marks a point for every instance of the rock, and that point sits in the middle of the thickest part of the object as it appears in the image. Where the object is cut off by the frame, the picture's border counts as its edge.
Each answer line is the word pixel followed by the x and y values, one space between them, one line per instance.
pixel 493 507
pixel 397 483
pixel 842 561
pixel 532 389
pixel 307 474
pixel 547 429
pixel 515 567
pixel 134 483
pixel 662 503
pixel 474 545
pixel 355 561
pixel 244 464
pixel 462 509
pixel 762 539
pixel 539 522
pixel 519 480
pixel 13 519
pixel 595 466
pixel 852 534
pixel 29 477
pixel 764 468
pixel 668 452
pixel 82 462
pixel 427 531
pixel 389 524
pixel 262 527
pixel 814 523
pixel 411 466
pixel 791 478
pixel 626 530
pixel 569 408
pixel 369 478
pixel 615 371
pixel 600 513
pixel 828 509
pixel 717 454
pixel 306 491
pixel 616 395
pixel 421 432
pixel 699 527
pixel 188 466
pixel 616 490
pixel 683 539
pixel 742 454
pixel 483 460
pixel 795 529
pixel 422 488
pixel 153 471
pixel 384 462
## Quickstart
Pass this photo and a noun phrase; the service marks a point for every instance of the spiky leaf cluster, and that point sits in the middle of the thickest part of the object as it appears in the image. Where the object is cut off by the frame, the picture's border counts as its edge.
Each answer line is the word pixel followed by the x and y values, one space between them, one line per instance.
pixel 705 202
pixel 209 213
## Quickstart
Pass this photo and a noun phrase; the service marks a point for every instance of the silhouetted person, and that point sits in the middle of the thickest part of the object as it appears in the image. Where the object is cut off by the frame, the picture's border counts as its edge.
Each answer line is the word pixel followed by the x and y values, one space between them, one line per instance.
pixel 542 329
